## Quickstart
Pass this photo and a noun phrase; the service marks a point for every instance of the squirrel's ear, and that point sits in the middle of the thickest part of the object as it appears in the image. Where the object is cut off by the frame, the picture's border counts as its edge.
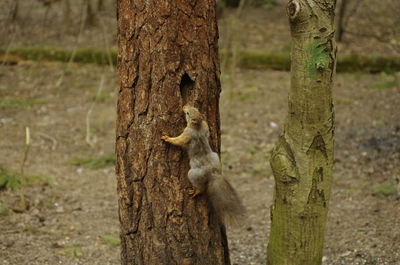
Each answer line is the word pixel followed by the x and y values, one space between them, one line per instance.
pixel 185 108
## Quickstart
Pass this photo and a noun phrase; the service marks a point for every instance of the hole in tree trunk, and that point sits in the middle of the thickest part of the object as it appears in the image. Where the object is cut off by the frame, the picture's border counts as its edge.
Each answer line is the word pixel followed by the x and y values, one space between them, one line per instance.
pixel 186 88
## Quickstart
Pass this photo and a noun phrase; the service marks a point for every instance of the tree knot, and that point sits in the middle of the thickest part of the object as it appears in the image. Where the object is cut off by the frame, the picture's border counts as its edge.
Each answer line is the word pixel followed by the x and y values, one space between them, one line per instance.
pixel 293 8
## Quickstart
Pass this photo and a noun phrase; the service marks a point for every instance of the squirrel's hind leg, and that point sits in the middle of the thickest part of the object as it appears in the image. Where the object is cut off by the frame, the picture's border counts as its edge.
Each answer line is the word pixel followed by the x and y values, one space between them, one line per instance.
pixel 194 193
pixel 197 178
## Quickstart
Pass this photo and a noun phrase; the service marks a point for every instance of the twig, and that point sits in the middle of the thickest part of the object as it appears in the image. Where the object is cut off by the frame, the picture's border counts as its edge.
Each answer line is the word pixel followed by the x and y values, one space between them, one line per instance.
pixel 231 59
pixel 73 53
pixel 83 18
pixel 8 49
pixel 51 139
pixel 27 147
pixel 106 45
pixel 99 89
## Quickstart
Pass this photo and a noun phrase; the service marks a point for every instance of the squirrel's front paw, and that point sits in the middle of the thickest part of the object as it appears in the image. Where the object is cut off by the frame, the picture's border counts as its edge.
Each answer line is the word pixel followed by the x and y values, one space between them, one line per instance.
pixel 165 138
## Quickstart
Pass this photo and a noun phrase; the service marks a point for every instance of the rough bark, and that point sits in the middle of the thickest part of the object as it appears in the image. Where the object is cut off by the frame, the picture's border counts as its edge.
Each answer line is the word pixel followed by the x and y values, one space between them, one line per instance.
pixel 168 56
pixel 303 157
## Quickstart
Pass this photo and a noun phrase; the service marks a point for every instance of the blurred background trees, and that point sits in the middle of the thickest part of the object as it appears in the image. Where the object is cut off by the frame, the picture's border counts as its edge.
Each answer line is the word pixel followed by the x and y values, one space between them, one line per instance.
pixel 363 26
pixel 369 19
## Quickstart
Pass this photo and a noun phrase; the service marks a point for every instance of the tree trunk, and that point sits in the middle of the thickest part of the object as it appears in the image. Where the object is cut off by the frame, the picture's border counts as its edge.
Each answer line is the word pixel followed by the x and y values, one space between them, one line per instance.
pixel 341 15
pixel 67 13
pixel 100 5
pixel 168 56
pixel 15 10
pixel 303 157
pixel 91 18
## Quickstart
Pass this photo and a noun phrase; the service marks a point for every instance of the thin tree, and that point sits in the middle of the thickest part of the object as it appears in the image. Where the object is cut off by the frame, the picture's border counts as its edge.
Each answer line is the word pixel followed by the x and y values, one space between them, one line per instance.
pixel 91 17
pixel 347 10
pixel 168 56
pixel 67 13
pixel 15 10
pixel 341 19
pixel 100 5
pixel 303 157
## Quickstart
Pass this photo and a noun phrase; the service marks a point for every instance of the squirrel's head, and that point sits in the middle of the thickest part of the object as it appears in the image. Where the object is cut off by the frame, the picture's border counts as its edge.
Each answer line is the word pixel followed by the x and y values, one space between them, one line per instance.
pixel 192 114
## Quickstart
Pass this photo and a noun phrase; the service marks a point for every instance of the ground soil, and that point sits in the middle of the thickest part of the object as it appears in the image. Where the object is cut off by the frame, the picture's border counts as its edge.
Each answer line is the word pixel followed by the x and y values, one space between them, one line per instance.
pixel 69 217
pixel 73 210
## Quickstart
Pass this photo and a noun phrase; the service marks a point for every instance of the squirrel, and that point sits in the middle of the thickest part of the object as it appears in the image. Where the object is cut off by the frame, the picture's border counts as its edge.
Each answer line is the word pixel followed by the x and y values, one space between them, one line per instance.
pixel 205 168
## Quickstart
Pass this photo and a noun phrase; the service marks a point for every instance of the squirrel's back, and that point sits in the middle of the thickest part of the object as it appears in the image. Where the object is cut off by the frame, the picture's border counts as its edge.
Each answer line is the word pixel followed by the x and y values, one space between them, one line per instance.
pixel 199 145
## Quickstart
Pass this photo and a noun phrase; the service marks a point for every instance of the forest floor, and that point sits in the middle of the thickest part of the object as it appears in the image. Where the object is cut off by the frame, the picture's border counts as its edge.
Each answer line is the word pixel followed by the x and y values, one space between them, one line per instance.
pixel 72 218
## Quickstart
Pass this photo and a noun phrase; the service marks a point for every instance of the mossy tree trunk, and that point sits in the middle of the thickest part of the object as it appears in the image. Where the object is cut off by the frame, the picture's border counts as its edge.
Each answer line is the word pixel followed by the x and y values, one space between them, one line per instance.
pixel 168 56
pixel 303 157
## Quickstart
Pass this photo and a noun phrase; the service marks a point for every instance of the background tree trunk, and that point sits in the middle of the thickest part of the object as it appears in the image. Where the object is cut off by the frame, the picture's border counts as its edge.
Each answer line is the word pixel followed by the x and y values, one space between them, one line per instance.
pixel 67 13
pixel 341 21
pixel 303 157
pixel 15 10
pixel 168 56
pixel 91 18
pixel 100 5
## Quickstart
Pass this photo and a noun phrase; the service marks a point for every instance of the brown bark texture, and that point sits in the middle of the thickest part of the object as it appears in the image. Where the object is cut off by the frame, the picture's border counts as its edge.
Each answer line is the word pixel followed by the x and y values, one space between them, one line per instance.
pixel 168 56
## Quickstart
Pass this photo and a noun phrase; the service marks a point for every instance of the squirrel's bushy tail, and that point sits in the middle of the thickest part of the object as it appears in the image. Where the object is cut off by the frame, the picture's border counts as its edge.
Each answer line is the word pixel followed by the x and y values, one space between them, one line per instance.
pixel 226 203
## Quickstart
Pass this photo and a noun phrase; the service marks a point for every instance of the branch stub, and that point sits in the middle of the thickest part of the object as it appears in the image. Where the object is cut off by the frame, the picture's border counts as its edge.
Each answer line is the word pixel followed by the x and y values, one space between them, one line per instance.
pixel 292 9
